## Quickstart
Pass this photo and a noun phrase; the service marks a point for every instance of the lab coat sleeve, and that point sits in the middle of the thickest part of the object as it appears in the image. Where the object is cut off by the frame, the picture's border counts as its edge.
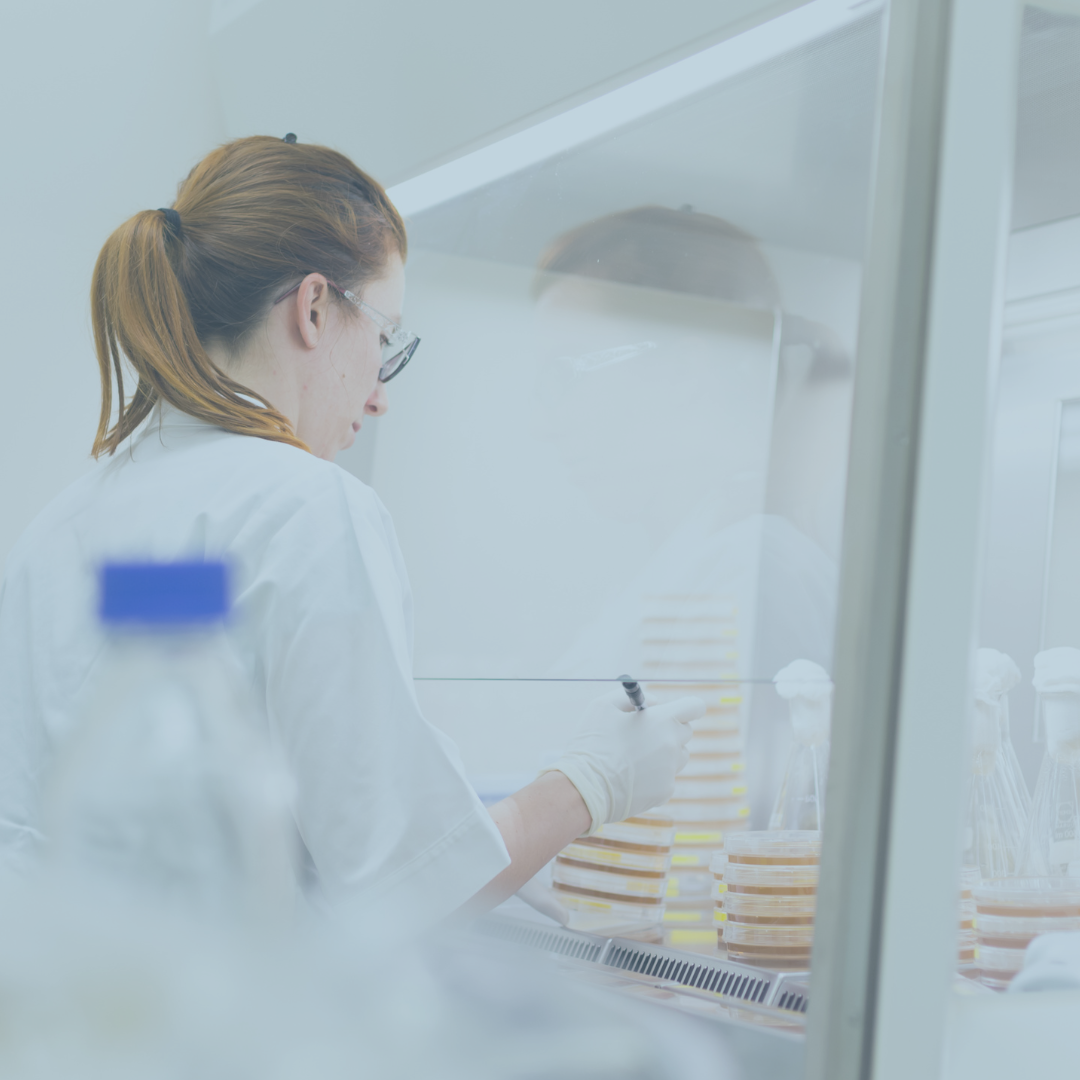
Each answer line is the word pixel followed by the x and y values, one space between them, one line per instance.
pixel 23 745
pixel 382 803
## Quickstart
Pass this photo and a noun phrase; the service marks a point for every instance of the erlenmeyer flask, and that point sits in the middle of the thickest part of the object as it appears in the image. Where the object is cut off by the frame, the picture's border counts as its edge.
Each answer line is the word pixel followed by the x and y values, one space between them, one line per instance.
pixel 1052 843
pixel 800 803
pixel 1002 676
pixel 997 802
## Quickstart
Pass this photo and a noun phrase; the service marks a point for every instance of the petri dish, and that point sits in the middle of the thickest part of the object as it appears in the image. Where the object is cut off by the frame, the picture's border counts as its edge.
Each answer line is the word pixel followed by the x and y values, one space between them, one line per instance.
pixel 602 852
pixel 695 883
pixel 694 788
pixel 714 766
pixel 691 857
pixel 1000 964
pixel 597 913
pixel 678 913
pixel 788 848
pixel 711 811
pixel 746 907
pixel 650 830
pixel 609 883
pixel 775 879
pixel 719 745
pixel 703 836
pixel 1014 932
pixel 775 937
pixel 725 737
pixel 1028 898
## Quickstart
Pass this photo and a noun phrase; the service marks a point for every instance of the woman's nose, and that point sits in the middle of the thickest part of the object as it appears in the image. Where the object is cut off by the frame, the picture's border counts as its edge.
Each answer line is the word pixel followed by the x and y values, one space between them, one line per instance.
pixel 378 403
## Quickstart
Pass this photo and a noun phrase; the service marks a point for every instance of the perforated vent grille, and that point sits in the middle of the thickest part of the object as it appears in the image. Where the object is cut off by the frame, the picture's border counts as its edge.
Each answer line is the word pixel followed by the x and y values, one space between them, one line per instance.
pixel 712 976
pixel 703 974
pixel 792 1000
pixel 561 942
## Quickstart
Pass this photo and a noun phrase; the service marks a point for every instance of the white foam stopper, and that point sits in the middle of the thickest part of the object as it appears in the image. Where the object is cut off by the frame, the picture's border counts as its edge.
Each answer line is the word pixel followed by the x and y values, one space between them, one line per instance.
pixel 807 688
pixel 995 675
pixel 1057 671
pixel 805 679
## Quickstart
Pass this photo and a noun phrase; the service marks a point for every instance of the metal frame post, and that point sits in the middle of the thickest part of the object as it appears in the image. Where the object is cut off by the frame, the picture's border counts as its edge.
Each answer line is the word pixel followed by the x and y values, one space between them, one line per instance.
pixel 880 975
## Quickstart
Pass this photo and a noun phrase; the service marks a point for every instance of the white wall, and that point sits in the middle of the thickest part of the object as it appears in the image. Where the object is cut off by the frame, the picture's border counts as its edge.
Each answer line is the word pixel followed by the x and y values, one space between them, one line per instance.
pixel 108 105
pixel 407 85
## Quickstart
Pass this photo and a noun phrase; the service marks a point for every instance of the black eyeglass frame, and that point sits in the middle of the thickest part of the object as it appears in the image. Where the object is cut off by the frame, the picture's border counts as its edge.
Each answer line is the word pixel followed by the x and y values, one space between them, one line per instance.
pixel 395 336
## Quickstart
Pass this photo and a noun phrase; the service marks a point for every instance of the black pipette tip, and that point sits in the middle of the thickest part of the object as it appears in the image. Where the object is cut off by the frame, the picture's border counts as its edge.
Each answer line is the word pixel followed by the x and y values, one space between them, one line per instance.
pixel 633 691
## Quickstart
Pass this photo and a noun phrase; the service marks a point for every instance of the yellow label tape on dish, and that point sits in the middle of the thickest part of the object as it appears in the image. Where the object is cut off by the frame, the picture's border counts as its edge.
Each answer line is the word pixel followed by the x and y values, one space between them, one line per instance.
pixel 692 937
pixel 684 916
pixel 598 855
pixel 719 916
pixel 720 887
pixel 699 838
pixel 686 860
pixel 738 791
pixel 593 905
pixel 738 766
pixel 672 886
pixel 744 811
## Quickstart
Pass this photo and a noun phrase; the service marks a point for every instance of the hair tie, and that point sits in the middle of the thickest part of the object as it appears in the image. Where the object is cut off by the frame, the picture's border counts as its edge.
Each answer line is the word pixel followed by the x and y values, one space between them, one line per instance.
pixel 290 138
pixel 172 220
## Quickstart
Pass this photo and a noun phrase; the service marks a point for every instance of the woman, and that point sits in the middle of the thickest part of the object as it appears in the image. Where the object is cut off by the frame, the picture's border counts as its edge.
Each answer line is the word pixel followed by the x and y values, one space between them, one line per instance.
pixel 260 316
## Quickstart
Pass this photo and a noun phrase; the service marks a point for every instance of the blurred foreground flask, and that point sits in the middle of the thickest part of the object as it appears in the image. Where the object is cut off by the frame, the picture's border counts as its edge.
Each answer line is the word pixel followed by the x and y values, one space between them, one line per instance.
pixel 166 790
pixel 800 805
pixel 998 801
pixel 1052 844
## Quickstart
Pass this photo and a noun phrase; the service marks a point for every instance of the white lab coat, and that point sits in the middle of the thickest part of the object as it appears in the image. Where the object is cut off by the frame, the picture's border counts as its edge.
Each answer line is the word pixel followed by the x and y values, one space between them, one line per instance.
pixel 322 623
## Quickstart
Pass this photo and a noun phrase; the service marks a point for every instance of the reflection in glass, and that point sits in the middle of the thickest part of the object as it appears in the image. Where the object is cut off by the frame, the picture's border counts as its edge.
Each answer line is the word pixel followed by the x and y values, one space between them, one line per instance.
pixel 628 451
pixel 997 799
pixel 1061 605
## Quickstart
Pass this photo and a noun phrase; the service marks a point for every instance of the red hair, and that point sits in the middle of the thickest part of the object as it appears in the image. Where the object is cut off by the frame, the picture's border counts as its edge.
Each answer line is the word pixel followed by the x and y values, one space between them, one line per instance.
pixel 254 215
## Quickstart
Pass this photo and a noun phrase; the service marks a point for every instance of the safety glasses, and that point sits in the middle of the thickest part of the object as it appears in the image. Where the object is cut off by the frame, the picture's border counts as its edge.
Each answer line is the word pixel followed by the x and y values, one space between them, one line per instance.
pixel 398 345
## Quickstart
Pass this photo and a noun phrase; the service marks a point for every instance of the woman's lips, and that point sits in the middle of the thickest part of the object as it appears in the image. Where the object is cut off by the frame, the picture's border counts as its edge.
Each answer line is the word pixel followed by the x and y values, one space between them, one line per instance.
pixel 356 425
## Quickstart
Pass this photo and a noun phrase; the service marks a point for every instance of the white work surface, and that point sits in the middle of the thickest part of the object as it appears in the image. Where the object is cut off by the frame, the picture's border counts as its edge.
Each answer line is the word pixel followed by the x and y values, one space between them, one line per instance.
pixel 1012 1036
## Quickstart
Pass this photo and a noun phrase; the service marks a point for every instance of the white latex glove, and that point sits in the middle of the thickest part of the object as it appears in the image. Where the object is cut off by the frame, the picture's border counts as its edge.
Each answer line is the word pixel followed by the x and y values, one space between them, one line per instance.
pixel 1051 962
pixel 623 761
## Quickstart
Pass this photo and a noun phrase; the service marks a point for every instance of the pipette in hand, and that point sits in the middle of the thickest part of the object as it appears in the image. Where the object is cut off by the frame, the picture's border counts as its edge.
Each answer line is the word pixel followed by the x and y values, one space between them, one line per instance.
pixel 633 692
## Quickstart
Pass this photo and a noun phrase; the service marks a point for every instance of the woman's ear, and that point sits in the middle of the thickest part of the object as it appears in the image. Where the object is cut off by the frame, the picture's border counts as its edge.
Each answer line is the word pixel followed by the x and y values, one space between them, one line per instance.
pixel 311 308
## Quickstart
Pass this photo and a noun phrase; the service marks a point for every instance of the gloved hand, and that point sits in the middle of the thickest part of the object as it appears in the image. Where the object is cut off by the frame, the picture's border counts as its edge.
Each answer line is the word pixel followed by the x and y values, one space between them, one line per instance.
pixel 623 761
pixel 1051 962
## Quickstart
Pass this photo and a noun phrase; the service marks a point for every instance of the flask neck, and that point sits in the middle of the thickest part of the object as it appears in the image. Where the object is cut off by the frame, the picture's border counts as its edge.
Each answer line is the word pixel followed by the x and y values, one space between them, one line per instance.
pixel 1003 716
pixel 1061 713
pixel 985 735
pixel 810 719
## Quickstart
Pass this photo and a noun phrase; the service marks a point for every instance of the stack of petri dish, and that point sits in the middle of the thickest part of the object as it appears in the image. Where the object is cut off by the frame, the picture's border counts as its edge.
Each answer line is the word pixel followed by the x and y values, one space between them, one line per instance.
pixel 708 805
pixel 617 878
pixel 1013 911
pixel 766 892
pixel 967 942
pixel 718 867
pixel 689 645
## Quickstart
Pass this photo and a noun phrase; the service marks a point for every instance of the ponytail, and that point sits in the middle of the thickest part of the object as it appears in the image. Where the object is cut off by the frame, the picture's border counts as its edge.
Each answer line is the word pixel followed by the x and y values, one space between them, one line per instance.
pixel 139 310
pixel 254 214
